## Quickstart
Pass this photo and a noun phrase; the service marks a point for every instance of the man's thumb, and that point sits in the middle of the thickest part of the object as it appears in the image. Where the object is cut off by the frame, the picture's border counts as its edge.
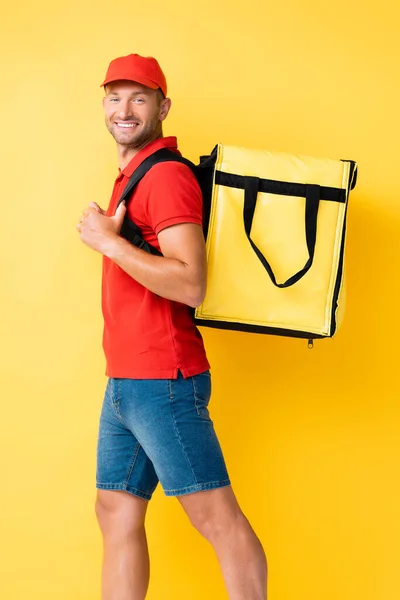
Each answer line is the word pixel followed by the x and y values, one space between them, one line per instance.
pixel 120 212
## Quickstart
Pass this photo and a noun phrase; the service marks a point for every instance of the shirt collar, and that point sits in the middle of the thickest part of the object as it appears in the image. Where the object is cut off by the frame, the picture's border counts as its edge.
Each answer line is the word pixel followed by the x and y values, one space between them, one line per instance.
pixel 167 142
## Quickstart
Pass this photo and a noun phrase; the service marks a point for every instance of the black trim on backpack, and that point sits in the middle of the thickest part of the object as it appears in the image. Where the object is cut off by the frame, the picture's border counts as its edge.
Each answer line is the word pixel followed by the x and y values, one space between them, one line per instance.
pixel 248 328
pixel 339 276
pixel 283 188
pixel 353 173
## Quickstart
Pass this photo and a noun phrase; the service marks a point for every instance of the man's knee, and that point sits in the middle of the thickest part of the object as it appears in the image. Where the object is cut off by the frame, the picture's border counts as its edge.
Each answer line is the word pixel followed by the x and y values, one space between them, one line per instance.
pixel 213 513
pixel 120 512
pixel 213 527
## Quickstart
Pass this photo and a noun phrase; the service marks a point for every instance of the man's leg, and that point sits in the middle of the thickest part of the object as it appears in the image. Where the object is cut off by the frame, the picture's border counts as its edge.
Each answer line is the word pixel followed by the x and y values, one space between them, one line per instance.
pixel 126 480
pixel 126 565
pixel 218 517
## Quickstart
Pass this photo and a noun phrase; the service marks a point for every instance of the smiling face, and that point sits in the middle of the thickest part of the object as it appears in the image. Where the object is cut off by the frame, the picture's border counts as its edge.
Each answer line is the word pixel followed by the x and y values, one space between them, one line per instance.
pixel 134 113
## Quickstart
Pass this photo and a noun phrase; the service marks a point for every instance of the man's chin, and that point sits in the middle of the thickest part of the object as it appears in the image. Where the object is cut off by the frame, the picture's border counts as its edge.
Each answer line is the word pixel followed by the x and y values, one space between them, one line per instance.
pixel 124 139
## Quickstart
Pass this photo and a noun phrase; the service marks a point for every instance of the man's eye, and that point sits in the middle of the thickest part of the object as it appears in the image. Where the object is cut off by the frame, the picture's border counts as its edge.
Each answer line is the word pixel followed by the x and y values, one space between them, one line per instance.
pixel 113 99
pixel 139 100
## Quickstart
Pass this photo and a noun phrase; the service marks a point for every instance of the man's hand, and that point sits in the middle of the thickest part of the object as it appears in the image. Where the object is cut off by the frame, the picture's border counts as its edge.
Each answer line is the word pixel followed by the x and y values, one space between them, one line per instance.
pixel 97 207
pixel 96 230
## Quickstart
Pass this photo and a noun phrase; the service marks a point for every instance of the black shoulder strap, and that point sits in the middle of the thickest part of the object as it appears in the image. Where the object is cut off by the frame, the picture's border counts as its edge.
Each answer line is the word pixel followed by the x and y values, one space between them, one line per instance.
pixel 163 155
pixel 129 229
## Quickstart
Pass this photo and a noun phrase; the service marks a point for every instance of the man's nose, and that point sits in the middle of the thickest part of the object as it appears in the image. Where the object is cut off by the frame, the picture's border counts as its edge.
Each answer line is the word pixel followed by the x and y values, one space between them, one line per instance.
pixel 125 109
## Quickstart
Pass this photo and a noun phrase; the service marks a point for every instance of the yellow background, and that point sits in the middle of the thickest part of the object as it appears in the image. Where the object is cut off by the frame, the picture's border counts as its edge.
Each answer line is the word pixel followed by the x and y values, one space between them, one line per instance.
pixel 311 438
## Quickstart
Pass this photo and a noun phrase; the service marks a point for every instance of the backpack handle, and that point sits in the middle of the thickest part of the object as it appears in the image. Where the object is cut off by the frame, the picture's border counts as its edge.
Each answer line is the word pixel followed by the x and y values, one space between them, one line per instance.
pixel 313 194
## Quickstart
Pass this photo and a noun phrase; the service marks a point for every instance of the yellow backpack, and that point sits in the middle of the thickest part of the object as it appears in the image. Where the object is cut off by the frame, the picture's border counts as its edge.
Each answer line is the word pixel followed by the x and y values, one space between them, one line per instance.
pixel 276 242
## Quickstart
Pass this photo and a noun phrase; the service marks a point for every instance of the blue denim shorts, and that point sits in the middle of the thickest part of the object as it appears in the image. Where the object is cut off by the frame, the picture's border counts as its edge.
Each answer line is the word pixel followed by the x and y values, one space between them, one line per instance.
pixel 155 430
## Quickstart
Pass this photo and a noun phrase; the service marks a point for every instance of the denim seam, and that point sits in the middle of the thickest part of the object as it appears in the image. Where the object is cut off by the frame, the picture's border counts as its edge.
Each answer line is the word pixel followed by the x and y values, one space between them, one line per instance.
pixel 120 486
pixel 196 400
pixel 108 391
pixel 133 461
pixel 179 437
pixel 116 401
pixel 199 486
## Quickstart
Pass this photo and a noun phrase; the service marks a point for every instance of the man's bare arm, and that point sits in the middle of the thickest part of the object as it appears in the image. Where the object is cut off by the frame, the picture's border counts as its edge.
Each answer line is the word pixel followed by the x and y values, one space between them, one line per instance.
pixel 180 274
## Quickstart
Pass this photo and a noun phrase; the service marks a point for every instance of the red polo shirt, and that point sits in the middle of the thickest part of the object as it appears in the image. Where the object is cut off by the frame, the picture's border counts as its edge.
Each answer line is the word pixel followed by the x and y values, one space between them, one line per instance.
pixel 146 336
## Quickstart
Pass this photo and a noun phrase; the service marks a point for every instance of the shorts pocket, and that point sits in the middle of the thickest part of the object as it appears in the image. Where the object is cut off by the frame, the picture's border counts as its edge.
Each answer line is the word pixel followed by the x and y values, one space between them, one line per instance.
pixel 202 393
pixel 115 395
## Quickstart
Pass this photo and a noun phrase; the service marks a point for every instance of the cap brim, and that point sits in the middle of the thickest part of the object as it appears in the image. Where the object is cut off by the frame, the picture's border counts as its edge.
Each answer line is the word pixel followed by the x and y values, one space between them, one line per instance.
pixel 141 80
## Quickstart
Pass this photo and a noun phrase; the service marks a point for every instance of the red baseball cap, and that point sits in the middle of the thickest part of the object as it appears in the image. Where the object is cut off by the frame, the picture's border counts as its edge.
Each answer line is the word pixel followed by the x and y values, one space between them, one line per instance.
pixel 144 70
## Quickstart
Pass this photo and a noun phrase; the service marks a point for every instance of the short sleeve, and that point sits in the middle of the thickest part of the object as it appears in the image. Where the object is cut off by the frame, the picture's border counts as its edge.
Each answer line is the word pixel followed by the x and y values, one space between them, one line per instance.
pixel 173 196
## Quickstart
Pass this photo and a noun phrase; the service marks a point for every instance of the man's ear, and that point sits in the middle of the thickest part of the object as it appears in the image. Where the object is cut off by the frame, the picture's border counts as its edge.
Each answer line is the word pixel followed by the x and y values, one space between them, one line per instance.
pixel 105 94
pixel 165 108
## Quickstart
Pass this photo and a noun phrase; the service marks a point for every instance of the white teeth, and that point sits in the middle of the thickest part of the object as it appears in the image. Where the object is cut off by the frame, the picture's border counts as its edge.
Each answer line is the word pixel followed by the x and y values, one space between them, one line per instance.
pixel 126 125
